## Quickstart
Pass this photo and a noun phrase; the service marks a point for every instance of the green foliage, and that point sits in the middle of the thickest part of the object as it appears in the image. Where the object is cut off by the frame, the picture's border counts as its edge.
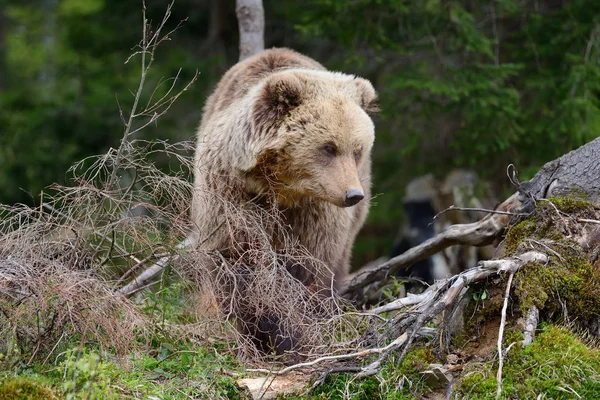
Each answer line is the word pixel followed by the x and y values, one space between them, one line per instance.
pixel 86 377
pixel 67 82
pixel 188 371
pixel 177 371
pixel 169 366
pixel 503 73
pixel 342 386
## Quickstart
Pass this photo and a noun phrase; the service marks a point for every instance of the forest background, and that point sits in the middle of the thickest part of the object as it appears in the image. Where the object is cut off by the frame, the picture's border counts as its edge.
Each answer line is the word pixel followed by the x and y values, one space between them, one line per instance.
pixel 470 84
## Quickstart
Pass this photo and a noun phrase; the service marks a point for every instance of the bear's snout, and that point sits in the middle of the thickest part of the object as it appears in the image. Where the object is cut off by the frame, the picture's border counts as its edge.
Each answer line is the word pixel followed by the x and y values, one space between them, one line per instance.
pixel 353 196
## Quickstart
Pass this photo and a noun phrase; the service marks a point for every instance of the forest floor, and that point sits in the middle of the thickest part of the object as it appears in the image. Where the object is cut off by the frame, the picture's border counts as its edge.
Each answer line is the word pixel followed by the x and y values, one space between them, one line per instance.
pixel 559 364
pixel 174 356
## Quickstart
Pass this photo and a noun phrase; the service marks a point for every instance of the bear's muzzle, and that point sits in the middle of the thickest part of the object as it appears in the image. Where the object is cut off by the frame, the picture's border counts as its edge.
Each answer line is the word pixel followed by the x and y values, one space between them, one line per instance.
pixel 353 196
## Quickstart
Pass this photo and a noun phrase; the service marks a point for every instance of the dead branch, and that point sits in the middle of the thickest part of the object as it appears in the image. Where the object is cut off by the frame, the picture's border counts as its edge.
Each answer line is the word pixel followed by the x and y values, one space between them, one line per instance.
pixel 409 300
pixel 147 50
pixel 588 221
pixel 153 270
pixel 479 233
pixel 359 354
pixel 476 209
pixel 437 298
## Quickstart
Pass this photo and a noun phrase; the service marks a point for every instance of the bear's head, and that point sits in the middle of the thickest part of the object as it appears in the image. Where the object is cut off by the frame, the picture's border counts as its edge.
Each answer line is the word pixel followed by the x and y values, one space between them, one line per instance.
pixel 311 135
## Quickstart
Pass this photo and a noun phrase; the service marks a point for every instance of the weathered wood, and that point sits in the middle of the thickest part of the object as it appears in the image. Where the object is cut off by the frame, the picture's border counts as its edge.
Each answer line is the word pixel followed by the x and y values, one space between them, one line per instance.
pixel 575 173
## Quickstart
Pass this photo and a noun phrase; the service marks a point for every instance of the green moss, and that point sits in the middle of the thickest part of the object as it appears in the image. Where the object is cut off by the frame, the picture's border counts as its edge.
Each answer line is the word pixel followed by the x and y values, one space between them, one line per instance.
pixel 179 371
pixel 517 233
pixel 572 204
pixel 88 377
pixel 571 280
pixel 568 278
pixel 535 227
pixel 413 364
pixel 555 365
pixel 26 388
pixel 542 223
pixel 478 381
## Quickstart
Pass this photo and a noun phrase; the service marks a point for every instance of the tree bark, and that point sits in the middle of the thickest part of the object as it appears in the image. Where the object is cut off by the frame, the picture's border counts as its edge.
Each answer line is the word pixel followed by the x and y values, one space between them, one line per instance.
pixel 251 20
pixel 576 173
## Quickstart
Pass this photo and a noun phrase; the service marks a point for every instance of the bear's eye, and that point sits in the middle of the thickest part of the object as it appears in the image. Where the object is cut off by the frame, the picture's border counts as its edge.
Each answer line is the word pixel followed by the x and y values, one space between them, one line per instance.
pixel 330 150
pixel 357 155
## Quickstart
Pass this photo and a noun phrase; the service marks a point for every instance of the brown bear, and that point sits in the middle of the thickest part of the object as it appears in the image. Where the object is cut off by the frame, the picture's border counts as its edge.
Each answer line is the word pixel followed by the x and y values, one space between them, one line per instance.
pixel 281 133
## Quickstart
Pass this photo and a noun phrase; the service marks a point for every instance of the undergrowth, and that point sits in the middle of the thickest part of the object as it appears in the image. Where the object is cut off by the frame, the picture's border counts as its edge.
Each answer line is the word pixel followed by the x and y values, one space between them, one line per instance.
pixel 168 364
pixel 557 365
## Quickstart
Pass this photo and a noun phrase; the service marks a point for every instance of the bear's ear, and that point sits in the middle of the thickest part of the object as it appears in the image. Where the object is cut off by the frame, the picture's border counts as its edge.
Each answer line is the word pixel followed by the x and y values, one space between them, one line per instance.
pixel 279 95
pixel 367 97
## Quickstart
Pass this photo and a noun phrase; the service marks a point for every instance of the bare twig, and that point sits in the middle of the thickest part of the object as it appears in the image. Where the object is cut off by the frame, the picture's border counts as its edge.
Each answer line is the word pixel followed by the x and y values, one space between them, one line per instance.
pixel 483 210
pixel 359 354
pixel 152 271
pixel 148 45
pixel 397 304
pixel 589 221
pixel 111 241
pixel 501 335
pixel 156 268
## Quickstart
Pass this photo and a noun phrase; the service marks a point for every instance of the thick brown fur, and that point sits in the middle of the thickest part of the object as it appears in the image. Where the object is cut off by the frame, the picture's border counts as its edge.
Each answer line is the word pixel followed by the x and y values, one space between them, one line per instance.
pixel 281 134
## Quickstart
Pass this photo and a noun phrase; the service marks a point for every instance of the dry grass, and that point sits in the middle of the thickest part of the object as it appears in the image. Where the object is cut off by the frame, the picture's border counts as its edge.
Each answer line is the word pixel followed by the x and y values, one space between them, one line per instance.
pixel 61 262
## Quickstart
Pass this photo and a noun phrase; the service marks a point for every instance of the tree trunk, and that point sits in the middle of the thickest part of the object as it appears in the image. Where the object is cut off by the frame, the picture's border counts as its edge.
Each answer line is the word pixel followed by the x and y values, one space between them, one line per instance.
pixel 576 173
pixel 2 47
pixel 218 22
pixel 251 19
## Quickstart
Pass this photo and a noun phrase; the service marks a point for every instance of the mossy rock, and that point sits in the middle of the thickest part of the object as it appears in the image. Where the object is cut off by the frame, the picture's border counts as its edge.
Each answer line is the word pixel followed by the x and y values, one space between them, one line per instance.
pixel 572 280
pixel 26 388
pixel 542 224
pixel 569 278
pixel 572 205
pixel 556 365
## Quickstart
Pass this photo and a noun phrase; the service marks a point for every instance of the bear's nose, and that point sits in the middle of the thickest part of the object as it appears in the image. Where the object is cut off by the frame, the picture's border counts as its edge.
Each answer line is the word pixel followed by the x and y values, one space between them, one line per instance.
pixel 353 196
